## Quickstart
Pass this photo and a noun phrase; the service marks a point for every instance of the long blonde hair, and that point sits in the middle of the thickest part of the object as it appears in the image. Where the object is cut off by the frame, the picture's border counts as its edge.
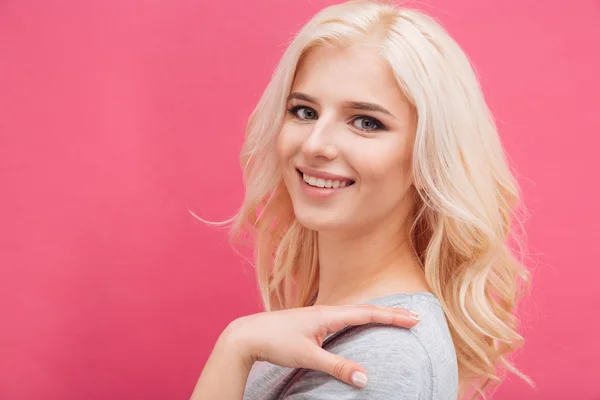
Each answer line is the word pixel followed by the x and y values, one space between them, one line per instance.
pixel 465 193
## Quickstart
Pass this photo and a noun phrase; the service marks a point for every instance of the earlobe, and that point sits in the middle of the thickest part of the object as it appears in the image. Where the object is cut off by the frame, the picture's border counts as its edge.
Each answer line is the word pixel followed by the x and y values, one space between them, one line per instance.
pixel 415 189
pixel 413 182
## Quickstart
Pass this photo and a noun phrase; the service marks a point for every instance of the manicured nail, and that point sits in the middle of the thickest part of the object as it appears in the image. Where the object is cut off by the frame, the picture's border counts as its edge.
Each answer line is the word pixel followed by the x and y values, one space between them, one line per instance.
pixel 359 379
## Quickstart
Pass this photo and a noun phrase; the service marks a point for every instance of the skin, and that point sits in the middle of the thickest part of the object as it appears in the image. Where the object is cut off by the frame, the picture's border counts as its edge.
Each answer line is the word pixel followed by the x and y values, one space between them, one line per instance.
pixel 362 230
pixel 363 236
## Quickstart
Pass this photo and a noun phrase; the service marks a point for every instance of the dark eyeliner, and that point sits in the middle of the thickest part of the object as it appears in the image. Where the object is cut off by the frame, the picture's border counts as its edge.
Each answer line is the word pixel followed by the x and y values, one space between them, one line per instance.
pixel 379 125
pixel 293 110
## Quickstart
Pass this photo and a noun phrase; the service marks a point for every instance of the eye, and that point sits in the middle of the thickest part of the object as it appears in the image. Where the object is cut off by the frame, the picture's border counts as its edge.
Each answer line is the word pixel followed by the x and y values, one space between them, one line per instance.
pixel 302 112
pixel 367 123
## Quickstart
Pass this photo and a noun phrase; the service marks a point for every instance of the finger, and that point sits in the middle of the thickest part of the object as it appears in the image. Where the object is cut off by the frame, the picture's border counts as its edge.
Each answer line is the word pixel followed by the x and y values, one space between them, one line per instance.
pixel 398 309
pixel 338 317
pixel 339 367
pixel 386 309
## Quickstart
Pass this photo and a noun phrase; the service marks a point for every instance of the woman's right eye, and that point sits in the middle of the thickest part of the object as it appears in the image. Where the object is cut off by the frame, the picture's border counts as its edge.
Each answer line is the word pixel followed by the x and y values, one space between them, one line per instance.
pixel 303 113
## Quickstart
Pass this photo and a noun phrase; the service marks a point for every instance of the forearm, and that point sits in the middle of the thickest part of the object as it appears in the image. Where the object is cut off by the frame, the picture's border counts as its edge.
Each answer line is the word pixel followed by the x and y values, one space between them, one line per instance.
pixel 225 373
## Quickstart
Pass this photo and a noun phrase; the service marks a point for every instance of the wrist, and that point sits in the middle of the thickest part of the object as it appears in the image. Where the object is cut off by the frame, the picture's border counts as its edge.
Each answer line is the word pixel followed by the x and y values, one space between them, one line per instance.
pixel 233 342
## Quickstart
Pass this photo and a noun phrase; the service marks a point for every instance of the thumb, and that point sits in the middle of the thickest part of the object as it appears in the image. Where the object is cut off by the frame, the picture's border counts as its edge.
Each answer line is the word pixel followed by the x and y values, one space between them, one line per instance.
pixel 339 367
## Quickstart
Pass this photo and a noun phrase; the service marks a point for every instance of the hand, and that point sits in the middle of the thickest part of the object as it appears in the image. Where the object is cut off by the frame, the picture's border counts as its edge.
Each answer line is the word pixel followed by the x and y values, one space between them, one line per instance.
pixel 293 338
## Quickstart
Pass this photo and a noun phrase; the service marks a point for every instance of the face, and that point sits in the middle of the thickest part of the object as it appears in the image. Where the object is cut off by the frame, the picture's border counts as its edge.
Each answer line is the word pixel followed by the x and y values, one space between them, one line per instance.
pixel 345 145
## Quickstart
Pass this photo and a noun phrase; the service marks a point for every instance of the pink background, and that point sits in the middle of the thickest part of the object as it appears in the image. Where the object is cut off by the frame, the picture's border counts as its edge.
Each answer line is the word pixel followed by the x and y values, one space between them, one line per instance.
pixel 116 116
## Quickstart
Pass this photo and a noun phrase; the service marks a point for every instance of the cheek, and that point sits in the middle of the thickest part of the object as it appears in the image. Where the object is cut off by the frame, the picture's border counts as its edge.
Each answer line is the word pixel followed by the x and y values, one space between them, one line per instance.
pixel 385 166
pixel 288 143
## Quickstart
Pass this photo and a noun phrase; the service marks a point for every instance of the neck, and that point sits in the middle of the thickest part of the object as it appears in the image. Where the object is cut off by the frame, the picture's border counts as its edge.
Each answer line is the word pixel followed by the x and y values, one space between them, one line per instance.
pixel 375 263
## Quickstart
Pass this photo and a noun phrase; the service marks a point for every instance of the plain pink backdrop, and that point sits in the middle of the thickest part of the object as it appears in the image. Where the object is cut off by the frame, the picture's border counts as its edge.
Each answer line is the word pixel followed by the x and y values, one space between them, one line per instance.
pixel 116 116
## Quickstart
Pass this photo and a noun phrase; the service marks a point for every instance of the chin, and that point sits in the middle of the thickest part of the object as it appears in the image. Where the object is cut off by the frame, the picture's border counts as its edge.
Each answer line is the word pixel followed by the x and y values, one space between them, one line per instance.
pixel 319 221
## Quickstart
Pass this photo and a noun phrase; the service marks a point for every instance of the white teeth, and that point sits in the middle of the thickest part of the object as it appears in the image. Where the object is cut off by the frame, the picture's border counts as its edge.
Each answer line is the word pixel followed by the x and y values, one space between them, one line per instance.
pixel 327 183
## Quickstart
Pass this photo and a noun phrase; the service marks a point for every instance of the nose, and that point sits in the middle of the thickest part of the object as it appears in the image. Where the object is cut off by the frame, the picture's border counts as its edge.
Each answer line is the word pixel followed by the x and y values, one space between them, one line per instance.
pixel 320 142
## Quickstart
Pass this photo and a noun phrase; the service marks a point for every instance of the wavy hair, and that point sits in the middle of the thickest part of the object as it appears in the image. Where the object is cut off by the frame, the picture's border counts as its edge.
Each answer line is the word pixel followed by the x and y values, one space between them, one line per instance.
pixel 467 199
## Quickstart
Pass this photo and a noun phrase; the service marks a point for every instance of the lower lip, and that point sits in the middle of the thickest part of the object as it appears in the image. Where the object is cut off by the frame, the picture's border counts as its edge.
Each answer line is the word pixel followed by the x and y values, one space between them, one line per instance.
pixel 313 191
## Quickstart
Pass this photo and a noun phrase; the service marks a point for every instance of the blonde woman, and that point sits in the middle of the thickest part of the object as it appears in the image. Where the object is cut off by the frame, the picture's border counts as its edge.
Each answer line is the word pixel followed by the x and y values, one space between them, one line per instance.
pixel 380 201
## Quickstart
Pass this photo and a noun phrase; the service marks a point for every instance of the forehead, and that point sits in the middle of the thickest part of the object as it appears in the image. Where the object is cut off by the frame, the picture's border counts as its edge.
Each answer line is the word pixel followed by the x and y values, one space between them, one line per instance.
pixel 356 74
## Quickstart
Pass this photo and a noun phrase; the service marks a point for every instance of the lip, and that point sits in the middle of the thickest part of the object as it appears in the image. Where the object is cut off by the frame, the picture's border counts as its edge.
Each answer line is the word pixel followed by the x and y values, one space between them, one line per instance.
pixel 317 192
pixel 323 175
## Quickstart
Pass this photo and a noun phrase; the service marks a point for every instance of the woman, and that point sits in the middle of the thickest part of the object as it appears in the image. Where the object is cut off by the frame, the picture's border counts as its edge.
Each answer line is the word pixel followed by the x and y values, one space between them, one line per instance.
pixel 377 189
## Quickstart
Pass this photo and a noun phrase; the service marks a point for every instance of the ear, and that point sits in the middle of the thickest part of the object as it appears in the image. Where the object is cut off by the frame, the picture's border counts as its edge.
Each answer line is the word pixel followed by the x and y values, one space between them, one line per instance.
pixel 415 190
pixel 413 181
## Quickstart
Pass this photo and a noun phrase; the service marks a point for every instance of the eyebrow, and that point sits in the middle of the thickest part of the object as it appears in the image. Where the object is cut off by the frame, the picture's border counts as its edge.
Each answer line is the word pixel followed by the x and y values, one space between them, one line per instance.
pixel 355 105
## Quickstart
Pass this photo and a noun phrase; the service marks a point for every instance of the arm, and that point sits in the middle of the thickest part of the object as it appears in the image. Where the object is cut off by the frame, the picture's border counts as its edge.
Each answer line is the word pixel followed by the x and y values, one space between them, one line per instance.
pixel 225 373
pixel 290 338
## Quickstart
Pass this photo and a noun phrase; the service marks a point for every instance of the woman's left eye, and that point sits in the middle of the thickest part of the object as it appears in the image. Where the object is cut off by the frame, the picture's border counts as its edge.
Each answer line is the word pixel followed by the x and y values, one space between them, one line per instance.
pixel 367 124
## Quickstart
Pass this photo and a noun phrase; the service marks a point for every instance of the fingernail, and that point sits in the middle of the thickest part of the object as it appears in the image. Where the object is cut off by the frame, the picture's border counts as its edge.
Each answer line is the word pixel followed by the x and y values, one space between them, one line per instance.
pixel 413 312
pixel 415 317
pixel 359 379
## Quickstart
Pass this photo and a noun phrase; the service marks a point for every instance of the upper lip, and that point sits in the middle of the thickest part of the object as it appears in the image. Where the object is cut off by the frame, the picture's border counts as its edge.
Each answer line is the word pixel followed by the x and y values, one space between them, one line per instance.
pixel 323 175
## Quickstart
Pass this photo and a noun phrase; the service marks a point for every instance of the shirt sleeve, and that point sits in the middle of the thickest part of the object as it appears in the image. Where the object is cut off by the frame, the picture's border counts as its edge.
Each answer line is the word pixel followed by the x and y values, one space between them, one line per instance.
pixel 397 364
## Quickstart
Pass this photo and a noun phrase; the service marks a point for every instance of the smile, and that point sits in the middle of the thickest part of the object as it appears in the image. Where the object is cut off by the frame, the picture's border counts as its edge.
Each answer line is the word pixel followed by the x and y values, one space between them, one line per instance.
pixel 322 184
pixel 325 183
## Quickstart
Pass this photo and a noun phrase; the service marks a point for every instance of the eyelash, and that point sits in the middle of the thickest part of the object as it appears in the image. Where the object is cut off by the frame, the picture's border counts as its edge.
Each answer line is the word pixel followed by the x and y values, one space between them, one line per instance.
pixel 379 125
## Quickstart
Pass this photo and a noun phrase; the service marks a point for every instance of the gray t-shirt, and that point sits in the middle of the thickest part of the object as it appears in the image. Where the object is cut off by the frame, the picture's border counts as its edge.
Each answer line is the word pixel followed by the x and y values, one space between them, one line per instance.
pixel 418 363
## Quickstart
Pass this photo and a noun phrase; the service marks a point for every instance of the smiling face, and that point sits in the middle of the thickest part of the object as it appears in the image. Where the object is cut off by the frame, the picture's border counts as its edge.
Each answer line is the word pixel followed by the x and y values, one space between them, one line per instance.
pixel 345 146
